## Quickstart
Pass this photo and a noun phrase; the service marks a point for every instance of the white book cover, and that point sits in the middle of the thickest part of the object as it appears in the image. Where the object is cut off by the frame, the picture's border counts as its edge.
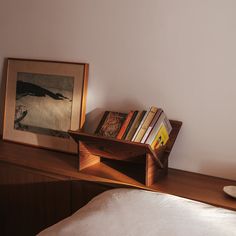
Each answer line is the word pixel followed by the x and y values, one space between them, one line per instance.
pixel 151 126
pixel 155 129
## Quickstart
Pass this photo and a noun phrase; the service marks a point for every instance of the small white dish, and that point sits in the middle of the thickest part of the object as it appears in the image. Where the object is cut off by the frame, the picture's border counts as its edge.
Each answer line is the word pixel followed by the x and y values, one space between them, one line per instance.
pixel 230 190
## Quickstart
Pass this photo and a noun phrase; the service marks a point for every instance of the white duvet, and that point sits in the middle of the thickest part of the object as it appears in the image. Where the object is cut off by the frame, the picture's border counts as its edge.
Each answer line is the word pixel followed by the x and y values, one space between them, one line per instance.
pixel 131 212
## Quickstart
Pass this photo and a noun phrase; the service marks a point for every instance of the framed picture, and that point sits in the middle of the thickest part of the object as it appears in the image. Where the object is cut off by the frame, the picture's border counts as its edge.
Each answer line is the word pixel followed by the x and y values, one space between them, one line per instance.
pixel 44 99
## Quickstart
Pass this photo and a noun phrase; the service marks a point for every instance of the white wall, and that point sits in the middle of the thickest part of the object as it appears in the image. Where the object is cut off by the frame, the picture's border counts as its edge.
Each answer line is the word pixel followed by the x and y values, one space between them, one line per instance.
pixel 176 54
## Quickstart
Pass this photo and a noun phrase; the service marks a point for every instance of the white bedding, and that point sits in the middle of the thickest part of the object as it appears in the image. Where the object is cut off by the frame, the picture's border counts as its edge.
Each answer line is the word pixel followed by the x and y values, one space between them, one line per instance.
pixel 132 212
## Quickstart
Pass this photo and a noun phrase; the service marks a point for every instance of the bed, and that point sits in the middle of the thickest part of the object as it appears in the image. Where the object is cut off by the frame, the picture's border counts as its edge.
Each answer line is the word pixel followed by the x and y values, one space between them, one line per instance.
pixel 133 212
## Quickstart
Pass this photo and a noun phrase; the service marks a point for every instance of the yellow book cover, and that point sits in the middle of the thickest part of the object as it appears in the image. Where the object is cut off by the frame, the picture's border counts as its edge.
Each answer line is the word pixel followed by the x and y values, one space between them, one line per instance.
pixel 161 137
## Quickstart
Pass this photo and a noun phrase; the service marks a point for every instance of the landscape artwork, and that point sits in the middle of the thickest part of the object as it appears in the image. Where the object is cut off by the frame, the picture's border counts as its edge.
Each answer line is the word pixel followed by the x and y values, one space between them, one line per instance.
pixel 43 103
pixel 43 100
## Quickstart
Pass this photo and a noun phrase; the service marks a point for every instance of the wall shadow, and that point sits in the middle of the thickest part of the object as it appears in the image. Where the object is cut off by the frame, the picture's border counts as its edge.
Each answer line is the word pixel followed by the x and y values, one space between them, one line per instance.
pixel 218 168
pixel 94 117
pixel 92 120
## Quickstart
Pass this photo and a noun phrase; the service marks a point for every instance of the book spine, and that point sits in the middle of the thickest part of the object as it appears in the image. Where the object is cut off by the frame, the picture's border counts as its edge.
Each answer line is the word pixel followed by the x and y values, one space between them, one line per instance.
pixel 140 125
pixel 102 122
pixel 130 124
pixel 135 125
pixel 161 137
pixel 155 129
pixel 155 119
pixel 146 123
pixel 125 125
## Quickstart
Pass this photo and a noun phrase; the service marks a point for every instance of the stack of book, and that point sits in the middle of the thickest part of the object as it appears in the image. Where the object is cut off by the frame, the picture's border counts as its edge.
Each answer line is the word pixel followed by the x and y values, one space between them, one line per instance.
pixel 151 127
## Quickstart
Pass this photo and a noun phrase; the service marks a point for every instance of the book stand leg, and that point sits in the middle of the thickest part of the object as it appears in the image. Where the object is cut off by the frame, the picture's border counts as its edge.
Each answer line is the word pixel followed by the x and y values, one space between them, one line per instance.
pixel 153 171
pixel 86 159
pixel 150 171
pixel 124 161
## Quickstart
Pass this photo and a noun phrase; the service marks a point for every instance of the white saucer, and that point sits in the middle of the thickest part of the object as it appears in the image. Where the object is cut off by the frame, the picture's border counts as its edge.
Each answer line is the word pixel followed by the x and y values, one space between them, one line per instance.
pixel 230 190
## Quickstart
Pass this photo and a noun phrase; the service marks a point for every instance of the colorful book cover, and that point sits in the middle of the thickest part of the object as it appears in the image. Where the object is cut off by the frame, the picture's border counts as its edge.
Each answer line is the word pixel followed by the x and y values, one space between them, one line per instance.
pixel 110 124
pixel 125 125
pixel 135 125
pixel 146 124
pixel 151 126
pixel 161 137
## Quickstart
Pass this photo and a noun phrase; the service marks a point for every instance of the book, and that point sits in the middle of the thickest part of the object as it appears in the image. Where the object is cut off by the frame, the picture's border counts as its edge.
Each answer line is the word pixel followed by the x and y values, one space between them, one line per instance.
pixel 135 125
pixel 155 129
pixel 125 125
pixel 146 124
pixel 154 120
pixel 161 137
pixel 110 124
pixel 139 126
pixel 130 124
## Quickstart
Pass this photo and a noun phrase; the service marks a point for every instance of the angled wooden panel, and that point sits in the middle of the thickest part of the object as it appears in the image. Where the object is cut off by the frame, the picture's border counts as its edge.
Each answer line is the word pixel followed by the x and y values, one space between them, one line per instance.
pixel 86 158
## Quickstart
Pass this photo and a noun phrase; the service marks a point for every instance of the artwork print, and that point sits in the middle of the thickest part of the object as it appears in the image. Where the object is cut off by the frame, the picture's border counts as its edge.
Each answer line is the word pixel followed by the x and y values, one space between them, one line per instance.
pixel 43 100
pixel 110 124
pixel 43 103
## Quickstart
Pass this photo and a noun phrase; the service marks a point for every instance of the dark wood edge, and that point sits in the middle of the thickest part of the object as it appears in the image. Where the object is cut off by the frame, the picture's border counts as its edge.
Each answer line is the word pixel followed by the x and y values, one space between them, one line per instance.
pixel 84 95
pixel 46 60
pixel 80 135
pixel 38 146
pixel 176 126
pixel 3 91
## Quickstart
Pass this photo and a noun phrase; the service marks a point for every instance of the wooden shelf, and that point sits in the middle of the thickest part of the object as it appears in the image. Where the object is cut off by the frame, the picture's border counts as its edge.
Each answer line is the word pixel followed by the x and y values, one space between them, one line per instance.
pixel 123 160
pixel 204 188
pixel 51 163
pixel 194 186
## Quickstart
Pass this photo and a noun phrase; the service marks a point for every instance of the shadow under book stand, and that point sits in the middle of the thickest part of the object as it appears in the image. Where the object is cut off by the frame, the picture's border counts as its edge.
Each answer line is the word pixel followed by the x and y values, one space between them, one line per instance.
pixel 120 159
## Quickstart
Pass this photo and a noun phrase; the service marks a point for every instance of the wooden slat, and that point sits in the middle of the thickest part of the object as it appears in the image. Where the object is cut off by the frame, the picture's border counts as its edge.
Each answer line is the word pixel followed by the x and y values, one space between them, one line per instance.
pixel 153 173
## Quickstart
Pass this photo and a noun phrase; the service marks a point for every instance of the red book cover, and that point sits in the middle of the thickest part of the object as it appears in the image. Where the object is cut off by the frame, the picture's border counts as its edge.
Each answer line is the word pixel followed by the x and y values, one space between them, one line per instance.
pixel 125 125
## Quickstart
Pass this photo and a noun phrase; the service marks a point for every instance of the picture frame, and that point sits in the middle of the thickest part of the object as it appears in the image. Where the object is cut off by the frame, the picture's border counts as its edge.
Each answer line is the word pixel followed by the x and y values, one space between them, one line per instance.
pixel 43 100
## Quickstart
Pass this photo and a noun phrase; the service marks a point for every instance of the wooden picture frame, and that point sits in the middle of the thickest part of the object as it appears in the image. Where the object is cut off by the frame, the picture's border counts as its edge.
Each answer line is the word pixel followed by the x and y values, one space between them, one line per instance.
pixel 43 100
